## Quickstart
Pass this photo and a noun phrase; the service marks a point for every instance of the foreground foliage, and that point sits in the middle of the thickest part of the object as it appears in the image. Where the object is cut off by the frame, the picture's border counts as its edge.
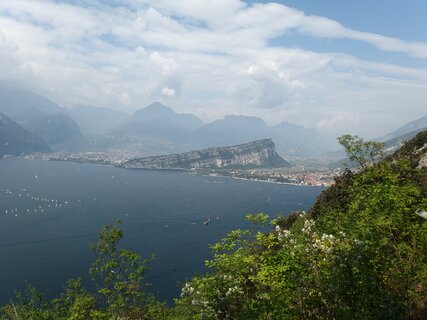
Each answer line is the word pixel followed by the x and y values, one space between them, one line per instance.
pixel 359 253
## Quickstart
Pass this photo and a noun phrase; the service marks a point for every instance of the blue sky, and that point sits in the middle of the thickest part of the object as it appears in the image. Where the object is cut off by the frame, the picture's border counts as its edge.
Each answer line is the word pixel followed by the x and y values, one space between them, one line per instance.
pixel 394 18
pixel 337 66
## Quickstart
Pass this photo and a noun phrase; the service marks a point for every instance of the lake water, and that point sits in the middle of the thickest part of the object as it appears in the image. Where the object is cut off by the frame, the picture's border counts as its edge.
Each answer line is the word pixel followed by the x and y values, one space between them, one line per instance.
pixel 51 211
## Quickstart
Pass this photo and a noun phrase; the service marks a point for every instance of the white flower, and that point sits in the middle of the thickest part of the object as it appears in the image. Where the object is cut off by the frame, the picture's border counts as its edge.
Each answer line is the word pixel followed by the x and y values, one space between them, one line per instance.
pixel 308 224
pixel 329 237
pixel 187 290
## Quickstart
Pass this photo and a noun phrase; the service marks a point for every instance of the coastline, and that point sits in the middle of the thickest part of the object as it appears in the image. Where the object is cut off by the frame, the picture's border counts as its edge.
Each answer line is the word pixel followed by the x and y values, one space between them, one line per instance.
pixel 275 182
pixel 189 171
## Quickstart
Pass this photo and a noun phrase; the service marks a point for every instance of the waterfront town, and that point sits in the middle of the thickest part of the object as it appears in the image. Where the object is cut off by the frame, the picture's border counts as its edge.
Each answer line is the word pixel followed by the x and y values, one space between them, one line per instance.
pixel 297 175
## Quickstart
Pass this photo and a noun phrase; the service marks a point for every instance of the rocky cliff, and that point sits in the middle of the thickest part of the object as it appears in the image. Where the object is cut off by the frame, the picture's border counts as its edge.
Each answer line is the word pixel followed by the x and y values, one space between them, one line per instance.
pixel 261 153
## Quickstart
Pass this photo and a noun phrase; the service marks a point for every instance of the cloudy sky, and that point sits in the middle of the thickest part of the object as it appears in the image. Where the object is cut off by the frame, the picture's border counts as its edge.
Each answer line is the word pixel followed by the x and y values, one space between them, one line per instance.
pixel 339 66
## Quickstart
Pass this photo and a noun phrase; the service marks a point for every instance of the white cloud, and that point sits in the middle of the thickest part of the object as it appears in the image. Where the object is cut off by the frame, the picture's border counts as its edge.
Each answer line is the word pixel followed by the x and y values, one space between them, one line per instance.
pixel 208 57
pixel 12 67
pixel 169 92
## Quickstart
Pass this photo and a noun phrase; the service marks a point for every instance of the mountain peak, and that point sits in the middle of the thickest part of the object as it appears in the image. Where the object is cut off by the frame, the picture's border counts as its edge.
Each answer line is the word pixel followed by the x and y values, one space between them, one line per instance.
pixel 155 109
pixel 244 119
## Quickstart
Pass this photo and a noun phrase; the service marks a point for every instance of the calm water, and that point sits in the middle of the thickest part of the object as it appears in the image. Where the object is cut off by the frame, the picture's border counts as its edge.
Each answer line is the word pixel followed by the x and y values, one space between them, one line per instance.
pixel 50 211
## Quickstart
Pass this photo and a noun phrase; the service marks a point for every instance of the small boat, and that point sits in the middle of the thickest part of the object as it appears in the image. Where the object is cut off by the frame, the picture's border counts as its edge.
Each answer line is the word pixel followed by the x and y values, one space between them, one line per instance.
pixel 206 222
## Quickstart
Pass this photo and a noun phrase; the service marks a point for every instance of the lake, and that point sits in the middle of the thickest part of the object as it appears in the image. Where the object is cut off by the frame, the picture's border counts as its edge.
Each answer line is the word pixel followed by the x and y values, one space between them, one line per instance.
pixel 50 212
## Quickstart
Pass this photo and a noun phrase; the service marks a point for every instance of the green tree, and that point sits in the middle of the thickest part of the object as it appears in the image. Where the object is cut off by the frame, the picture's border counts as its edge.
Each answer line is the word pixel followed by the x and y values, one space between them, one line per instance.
pixel 358 150
pixel 118 274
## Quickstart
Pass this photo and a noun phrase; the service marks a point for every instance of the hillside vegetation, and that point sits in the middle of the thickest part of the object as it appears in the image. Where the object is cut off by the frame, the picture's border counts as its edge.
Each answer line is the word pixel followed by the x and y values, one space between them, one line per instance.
pixel 359 253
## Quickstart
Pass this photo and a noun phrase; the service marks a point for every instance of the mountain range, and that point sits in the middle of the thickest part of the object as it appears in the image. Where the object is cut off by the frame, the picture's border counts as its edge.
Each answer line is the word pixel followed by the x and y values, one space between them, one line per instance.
pixel 155 129
pixel 158 129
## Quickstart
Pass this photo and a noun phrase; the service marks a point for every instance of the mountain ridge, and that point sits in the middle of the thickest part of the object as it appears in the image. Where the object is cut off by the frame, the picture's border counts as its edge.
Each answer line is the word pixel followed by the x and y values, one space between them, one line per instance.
pixel 260 153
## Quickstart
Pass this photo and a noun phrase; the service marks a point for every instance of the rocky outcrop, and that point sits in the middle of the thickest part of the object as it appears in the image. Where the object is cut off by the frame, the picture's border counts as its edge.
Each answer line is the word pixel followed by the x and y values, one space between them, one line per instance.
pixel 261 153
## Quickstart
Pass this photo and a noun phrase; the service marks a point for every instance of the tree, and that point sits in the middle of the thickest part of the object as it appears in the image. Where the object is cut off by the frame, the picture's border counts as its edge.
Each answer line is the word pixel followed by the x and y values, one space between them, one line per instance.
pixel 118 274
pixel 358 150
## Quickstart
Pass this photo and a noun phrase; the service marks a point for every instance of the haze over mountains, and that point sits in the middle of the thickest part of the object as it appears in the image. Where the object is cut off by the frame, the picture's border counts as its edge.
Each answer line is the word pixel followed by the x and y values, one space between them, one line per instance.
pixel 409 130
pixel 155 129
pixel 96 120
pixel 23 106
pixel 15 140
pixel 57 130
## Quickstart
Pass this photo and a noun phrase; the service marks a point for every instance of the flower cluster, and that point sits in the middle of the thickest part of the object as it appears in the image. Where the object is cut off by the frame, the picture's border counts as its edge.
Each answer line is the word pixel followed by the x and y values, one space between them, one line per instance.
pixel 325 243
pixel 282 233
pixel 186 290
pixel 308 226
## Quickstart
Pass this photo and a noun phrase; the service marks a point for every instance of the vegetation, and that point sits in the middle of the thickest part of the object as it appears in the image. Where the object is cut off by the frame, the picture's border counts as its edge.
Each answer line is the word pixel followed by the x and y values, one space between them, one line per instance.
pixel 364 153
pixel 359 253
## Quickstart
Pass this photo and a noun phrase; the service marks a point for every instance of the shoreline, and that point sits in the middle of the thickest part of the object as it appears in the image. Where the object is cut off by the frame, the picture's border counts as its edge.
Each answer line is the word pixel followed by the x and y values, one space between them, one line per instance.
pixel 274 182
pixel 189 171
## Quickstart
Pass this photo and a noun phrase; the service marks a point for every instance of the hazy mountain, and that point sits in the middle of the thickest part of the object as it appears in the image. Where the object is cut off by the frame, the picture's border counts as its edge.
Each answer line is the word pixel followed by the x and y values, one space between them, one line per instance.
pixel 296 140
pixel 15 140
pixel 231 130
pixel 159 121
pixel 23 106
pixel 95 120
pixel 55 128
pixel 290 139
pixel 412 127
pixel 153 129
pixel 395 143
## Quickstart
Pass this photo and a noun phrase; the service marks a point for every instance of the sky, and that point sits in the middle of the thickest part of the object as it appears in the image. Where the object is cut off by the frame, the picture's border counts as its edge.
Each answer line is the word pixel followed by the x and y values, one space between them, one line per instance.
pixel 338 66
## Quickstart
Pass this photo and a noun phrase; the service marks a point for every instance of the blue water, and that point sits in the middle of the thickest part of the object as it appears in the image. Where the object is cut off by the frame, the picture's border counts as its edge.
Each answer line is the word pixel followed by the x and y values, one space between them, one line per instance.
pixel 51 211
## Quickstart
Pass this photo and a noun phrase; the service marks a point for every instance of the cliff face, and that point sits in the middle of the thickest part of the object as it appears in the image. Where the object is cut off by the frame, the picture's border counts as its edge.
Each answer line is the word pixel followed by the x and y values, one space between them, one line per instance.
pixel 261 153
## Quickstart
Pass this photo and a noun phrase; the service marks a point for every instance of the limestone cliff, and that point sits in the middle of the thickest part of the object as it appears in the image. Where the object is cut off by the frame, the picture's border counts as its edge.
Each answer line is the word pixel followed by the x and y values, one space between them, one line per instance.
pixel 261 153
